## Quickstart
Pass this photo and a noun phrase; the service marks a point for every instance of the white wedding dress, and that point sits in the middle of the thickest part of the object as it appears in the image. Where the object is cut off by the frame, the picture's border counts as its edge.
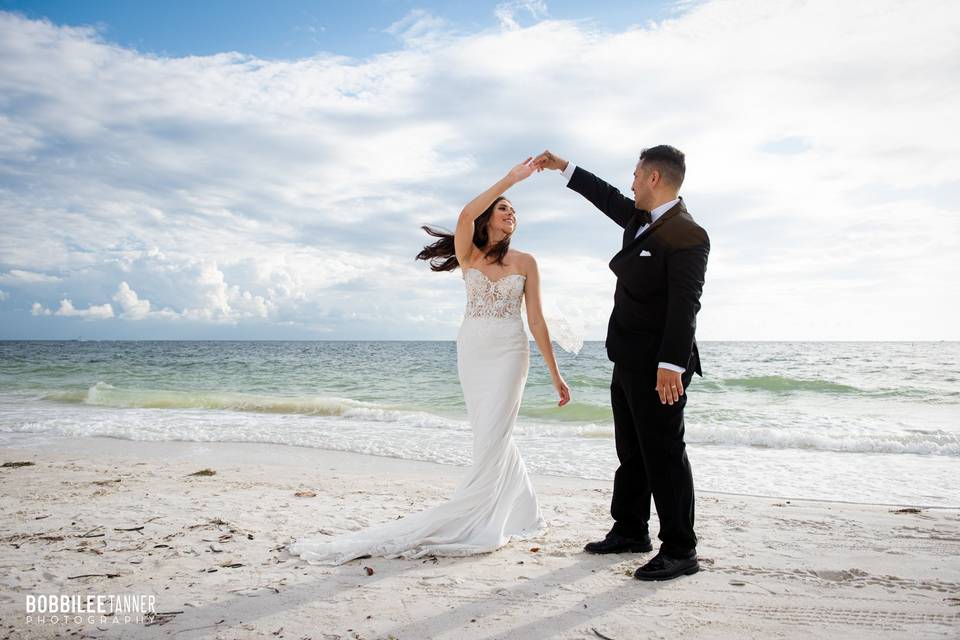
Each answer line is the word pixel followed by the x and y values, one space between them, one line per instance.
pixel 495 501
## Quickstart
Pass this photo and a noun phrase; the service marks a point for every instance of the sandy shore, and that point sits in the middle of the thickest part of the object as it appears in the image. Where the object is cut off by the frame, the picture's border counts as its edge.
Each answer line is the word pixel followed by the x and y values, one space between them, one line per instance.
pixel 211 550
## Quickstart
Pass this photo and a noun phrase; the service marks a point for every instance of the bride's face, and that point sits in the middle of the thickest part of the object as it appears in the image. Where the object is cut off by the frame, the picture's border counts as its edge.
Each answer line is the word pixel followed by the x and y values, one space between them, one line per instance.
pixel 504 218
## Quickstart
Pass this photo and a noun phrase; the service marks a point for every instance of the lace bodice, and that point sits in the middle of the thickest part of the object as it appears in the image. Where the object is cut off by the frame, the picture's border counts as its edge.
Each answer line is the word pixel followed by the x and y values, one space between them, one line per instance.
pixel 487 298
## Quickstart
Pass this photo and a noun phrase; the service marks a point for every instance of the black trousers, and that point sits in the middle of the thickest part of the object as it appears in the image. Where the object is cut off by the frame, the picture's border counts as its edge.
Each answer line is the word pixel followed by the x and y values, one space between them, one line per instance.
pixel 653 461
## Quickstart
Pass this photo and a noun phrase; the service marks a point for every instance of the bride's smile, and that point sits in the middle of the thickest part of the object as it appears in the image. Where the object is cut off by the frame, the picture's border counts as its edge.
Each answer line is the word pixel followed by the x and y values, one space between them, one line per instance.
pixel 503 222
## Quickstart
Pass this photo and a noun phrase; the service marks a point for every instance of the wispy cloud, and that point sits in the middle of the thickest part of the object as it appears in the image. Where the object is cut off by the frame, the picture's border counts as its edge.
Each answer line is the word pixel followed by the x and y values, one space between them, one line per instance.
pixel 506 12
pixel 231 191
pixel 21 276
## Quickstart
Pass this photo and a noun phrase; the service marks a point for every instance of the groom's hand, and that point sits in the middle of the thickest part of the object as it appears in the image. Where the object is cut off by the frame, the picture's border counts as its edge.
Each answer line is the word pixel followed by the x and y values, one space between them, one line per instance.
pixel 547 160
pixel 669 386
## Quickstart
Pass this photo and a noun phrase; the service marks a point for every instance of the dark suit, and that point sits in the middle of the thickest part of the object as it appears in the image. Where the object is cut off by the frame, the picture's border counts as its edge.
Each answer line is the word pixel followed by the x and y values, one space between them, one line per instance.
pixel 660 277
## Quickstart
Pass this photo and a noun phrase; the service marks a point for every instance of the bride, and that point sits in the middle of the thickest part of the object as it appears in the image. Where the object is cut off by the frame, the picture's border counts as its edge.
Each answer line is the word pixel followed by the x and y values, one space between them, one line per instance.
pixel 495 502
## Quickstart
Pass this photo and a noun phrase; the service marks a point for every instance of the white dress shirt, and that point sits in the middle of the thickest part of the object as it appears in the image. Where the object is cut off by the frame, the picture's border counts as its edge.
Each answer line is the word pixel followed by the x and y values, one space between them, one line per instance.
pixel 654 214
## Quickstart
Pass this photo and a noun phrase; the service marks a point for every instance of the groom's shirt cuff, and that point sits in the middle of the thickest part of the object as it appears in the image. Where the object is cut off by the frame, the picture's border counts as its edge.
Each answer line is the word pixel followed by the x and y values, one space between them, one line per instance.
pixel 671 367
pixel 568 172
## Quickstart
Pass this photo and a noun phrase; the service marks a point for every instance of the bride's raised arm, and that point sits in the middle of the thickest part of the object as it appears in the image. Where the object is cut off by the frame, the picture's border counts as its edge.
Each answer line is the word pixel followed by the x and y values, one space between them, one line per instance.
pixel 463 237
pixel 538 327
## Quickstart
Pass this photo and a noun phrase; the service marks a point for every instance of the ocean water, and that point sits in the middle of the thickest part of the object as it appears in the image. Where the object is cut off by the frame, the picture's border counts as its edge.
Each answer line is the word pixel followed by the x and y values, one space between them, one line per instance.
pixel 859 422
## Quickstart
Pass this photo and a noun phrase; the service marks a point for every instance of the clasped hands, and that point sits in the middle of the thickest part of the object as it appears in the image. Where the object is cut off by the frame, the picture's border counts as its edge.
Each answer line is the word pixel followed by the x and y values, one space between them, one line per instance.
pixel 545 160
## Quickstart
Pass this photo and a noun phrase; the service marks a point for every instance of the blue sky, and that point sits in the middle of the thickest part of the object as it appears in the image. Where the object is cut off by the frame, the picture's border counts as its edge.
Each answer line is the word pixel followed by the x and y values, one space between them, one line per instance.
pixel 301 28
pixel 245 170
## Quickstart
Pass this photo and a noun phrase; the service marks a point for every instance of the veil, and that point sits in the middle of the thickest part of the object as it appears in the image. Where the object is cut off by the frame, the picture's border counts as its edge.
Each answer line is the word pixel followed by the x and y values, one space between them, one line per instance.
pixel 567 333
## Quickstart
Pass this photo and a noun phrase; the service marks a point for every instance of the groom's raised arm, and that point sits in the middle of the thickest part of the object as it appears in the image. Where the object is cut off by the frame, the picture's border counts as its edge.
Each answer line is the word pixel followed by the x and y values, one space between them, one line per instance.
pixel 608 199
pixel 604 196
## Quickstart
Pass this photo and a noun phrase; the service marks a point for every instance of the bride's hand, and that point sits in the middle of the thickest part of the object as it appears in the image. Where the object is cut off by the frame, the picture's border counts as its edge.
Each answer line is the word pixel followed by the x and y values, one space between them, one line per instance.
pixel 562 390
pixel 522 170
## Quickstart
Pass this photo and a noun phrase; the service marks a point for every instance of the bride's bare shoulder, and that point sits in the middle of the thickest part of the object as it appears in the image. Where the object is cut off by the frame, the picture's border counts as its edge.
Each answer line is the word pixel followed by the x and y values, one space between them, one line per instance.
pixel 525 261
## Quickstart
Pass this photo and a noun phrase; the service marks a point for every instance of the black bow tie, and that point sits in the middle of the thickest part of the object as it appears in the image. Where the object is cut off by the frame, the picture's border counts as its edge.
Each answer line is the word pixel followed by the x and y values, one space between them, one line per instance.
pixel 644 217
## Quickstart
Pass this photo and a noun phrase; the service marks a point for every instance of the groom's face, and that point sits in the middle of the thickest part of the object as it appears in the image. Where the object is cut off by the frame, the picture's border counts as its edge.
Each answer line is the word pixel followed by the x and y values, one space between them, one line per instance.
pixel 642 187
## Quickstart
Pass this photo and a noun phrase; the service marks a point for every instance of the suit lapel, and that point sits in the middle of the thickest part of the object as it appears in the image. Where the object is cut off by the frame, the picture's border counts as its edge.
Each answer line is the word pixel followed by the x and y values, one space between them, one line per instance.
pixel 631 230
pixel 630 245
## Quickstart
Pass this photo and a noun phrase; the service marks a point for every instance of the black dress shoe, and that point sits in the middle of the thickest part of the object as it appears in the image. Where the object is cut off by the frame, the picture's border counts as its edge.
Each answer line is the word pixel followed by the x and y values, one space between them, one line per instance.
pixel 615 543
pixel 664 567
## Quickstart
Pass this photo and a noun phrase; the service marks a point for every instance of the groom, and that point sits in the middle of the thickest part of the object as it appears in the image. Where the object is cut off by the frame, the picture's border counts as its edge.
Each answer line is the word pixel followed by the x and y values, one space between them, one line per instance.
pixel 650 339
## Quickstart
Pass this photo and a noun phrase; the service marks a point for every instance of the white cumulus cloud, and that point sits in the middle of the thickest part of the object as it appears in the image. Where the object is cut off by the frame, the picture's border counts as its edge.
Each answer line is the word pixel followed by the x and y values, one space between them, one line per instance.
pixel 132 306
pixel 99 311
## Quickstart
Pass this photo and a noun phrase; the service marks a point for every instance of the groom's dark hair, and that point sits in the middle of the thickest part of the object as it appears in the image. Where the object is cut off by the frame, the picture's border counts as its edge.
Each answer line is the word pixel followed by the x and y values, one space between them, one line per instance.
pixel 669 161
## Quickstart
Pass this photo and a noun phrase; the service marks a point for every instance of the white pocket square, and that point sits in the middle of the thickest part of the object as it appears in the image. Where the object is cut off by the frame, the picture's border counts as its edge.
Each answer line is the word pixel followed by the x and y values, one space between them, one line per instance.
pixel 644 253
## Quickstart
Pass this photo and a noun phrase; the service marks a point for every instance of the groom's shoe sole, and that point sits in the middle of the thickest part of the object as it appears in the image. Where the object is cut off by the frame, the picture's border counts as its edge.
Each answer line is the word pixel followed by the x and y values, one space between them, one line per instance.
pixel 625 547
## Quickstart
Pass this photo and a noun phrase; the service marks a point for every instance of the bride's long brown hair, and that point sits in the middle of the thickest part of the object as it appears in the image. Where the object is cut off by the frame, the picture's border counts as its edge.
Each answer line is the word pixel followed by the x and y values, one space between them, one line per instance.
pixel 442 253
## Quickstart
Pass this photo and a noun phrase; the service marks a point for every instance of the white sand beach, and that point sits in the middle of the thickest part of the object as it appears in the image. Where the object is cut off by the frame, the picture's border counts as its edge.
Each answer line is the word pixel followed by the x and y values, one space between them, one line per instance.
pixel 130 517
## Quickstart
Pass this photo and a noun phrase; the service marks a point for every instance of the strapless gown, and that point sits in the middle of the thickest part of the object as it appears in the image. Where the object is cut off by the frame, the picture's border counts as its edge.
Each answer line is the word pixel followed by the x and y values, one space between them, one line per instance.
pixel 495 501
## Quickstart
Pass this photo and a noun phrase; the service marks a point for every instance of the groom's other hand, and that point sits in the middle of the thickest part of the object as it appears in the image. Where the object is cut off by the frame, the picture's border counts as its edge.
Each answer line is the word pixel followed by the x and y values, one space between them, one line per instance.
pixel 547 160
pixel 669 386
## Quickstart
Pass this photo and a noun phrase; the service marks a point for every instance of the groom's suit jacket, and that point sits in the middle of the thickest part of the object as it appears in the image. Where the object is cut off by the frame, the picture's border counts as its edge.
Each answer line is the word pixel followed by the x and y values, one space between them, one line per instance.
pixel 660 277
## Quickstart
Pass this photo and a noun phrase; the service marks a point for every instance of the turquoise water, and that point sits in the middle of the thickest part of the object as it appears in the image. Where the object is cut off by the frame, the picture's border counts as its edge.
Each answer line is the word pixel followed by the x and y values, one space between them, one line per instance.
pixel 871 422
